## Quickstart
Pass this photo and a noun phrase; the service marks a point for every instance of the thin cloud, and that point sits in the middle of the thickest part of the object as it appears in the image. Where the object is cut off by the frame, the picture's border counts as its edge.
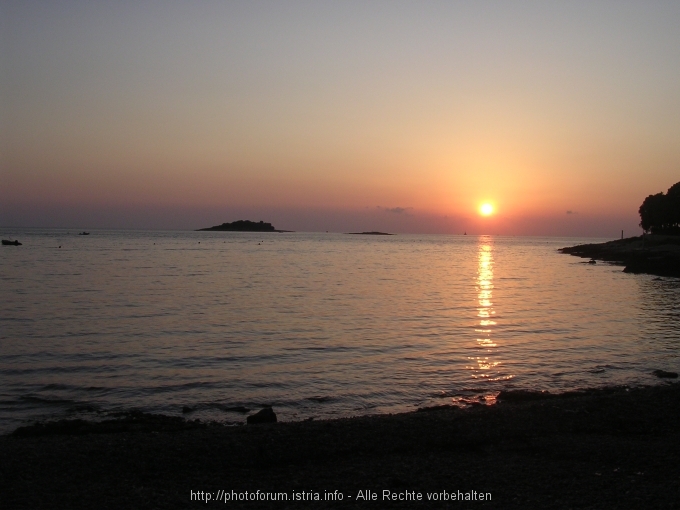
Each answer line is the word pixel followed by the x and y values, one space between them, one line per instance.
pixel 396 210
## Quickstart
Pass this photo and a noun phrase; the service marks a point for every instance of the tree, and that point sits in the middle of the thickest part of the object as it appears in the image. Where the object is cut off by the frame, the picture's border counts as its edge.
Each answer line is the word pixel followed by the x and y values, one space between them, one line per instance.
pixel 660 214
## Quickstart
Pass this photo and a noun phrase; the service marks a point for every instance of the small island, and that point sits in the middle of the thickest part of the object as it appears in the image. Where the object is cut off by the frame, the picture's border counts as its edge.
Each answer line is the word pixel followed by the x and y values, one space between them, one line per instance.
pixel 373 233
pixel 244 226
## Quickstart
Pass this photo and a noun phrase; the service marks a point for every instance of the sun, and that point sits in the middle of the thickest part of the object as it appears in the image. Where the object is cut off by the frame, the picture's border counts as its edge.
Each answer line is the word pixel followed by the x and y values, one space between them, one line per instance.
pixel 486 209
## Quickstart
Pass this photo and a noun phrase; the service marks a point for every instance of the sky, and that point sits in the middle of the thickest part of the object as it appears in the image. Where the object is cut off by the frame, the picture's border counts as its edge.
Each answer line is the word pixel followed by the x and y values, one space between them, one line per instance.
pixel 338 116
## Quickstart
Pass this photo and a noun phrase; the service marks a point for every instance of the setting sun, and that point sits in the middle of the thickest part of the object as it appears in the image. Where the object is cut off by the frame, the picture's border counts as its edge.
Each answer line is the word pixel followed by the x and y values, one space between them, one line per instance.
pixel 486 209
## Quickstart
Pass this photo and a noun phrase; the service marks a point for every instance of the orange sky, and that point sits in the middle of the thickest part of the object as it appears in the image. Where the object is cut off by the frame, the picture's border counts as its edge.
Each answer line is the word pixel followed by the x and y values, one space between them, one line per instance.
pixel 322 116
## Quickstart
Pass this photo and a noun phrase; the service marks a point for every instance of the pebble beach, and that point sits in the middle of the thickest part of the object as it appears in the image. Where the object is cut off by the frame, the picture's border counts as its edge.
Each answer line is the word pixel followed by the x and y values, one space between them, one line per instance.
pixel 605 448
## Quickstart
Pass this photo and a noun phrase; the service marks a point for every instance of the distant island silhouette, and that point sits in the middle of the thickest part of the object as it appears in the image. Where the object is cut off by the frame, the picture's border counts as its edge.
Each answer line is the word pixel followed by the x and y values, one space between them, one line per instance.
pixel 374 233
pixel 244 226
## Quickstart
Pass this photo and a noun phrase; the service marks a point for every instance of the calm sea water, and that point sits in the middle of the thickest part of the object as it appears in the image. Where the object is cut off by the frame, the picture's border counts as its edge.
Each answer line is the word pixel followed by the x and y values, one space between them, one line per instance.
pixel 317 325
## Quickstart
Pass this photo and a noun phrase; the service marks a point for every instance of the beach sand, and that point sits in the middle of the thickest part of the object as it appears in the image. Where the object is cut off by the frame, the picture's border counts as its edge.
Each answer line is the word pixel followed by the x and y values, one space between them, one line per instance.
pixel 607 448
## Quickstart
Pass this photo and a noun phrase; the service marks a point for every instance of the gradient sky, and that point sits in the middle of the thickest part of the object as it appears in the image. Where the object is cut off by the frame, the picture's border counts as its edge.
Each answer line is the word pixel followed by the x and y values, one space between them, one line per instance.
pixel 371 115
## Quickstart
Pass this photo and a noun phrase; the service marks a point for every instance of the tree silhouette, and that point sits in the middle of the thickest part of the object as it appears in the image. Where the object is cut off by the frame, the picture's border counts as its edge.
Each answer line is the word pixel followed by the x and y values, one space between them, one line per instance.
pixel 660 214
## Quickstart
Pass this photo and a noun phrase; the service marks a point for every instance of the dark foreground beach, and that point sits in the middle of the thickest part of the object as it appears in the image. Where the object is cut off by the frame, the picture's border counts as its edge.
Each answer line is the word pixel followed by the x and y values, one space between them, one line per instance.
pixel 607 448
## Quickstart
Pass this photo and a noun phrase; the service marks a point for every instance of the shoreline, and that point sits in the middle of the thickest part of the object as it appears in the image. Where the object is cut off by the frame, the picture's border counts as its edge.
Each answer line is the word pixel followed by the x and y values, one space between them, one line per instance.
pixel 599 448
pixel 657 255
pixel 137 420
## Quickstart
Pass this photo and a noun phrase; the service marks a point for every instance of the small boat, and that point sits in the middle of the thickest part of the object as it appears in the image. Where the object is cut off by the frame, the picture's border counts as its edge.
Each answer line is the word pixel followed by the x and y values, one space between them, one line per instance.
pixel 84 234
pixel 6 242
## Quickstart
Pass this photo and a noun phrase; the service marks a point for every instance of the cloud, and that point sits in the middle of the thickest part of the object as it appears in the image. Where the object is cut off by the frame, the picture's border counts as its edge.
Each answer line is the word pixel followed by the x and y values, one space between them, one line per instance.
pixel 395 210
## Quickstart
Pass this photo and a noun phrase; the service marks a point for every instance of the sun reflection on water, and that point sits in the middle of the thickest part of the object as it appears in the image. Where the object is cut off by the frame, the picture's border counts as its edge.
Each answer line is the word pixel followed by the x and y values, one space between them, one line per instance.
pixel 485 365
pixel 485 310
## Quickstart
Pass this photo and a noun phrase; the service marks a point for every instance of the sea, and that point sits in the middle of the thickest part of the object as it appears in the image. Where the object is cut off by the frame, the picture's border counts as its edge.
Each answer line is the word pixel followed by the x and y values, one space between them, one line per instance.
pixel 216 325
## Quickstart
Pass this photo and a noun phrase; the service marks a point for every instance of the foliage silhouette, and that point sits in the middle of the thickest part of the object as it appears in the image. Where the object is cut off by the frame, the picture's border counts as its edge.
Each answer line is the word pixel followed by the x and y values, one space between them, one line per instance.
pixel 660 214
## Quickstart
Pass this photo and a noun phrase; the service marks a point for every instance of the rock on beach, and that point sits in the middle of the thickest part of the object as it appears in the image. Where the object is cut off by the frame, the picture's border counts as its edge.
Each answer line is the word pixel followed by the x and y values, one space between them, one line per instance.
pixel 266 415
pixel 662 374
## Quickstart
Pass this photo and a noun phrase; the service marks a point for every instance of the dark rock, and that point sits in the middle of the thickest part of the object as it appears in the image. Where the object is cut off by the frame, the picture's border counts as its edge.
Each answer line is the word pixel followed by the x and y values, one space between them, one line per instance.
pixel 266 415
pixel 126 421
pixel 187 410
pixel 651 254
pixel 662 374
pixel 592 261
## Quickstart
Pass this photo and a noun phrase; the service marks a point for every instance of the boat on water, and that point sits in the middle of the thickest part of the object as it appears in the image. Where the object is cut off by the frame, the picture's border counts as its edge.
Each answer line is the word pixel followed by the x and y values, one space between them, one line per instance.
pixel 7 242
pixel 84 234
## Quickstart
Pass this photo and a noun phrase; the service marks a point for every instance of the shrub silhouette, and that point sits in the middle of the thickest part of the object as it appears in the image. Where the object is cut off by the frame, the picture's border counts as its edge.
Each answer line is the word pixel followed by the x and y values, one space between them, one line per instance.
pixel 660 214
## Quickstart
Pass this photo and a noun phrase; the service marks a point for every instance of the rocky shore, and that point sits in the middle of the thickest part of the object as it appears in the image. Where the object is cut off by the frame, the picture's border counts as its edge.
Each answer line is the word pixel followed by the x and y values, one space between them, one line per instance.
pixel 605 448
pixel 649 254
